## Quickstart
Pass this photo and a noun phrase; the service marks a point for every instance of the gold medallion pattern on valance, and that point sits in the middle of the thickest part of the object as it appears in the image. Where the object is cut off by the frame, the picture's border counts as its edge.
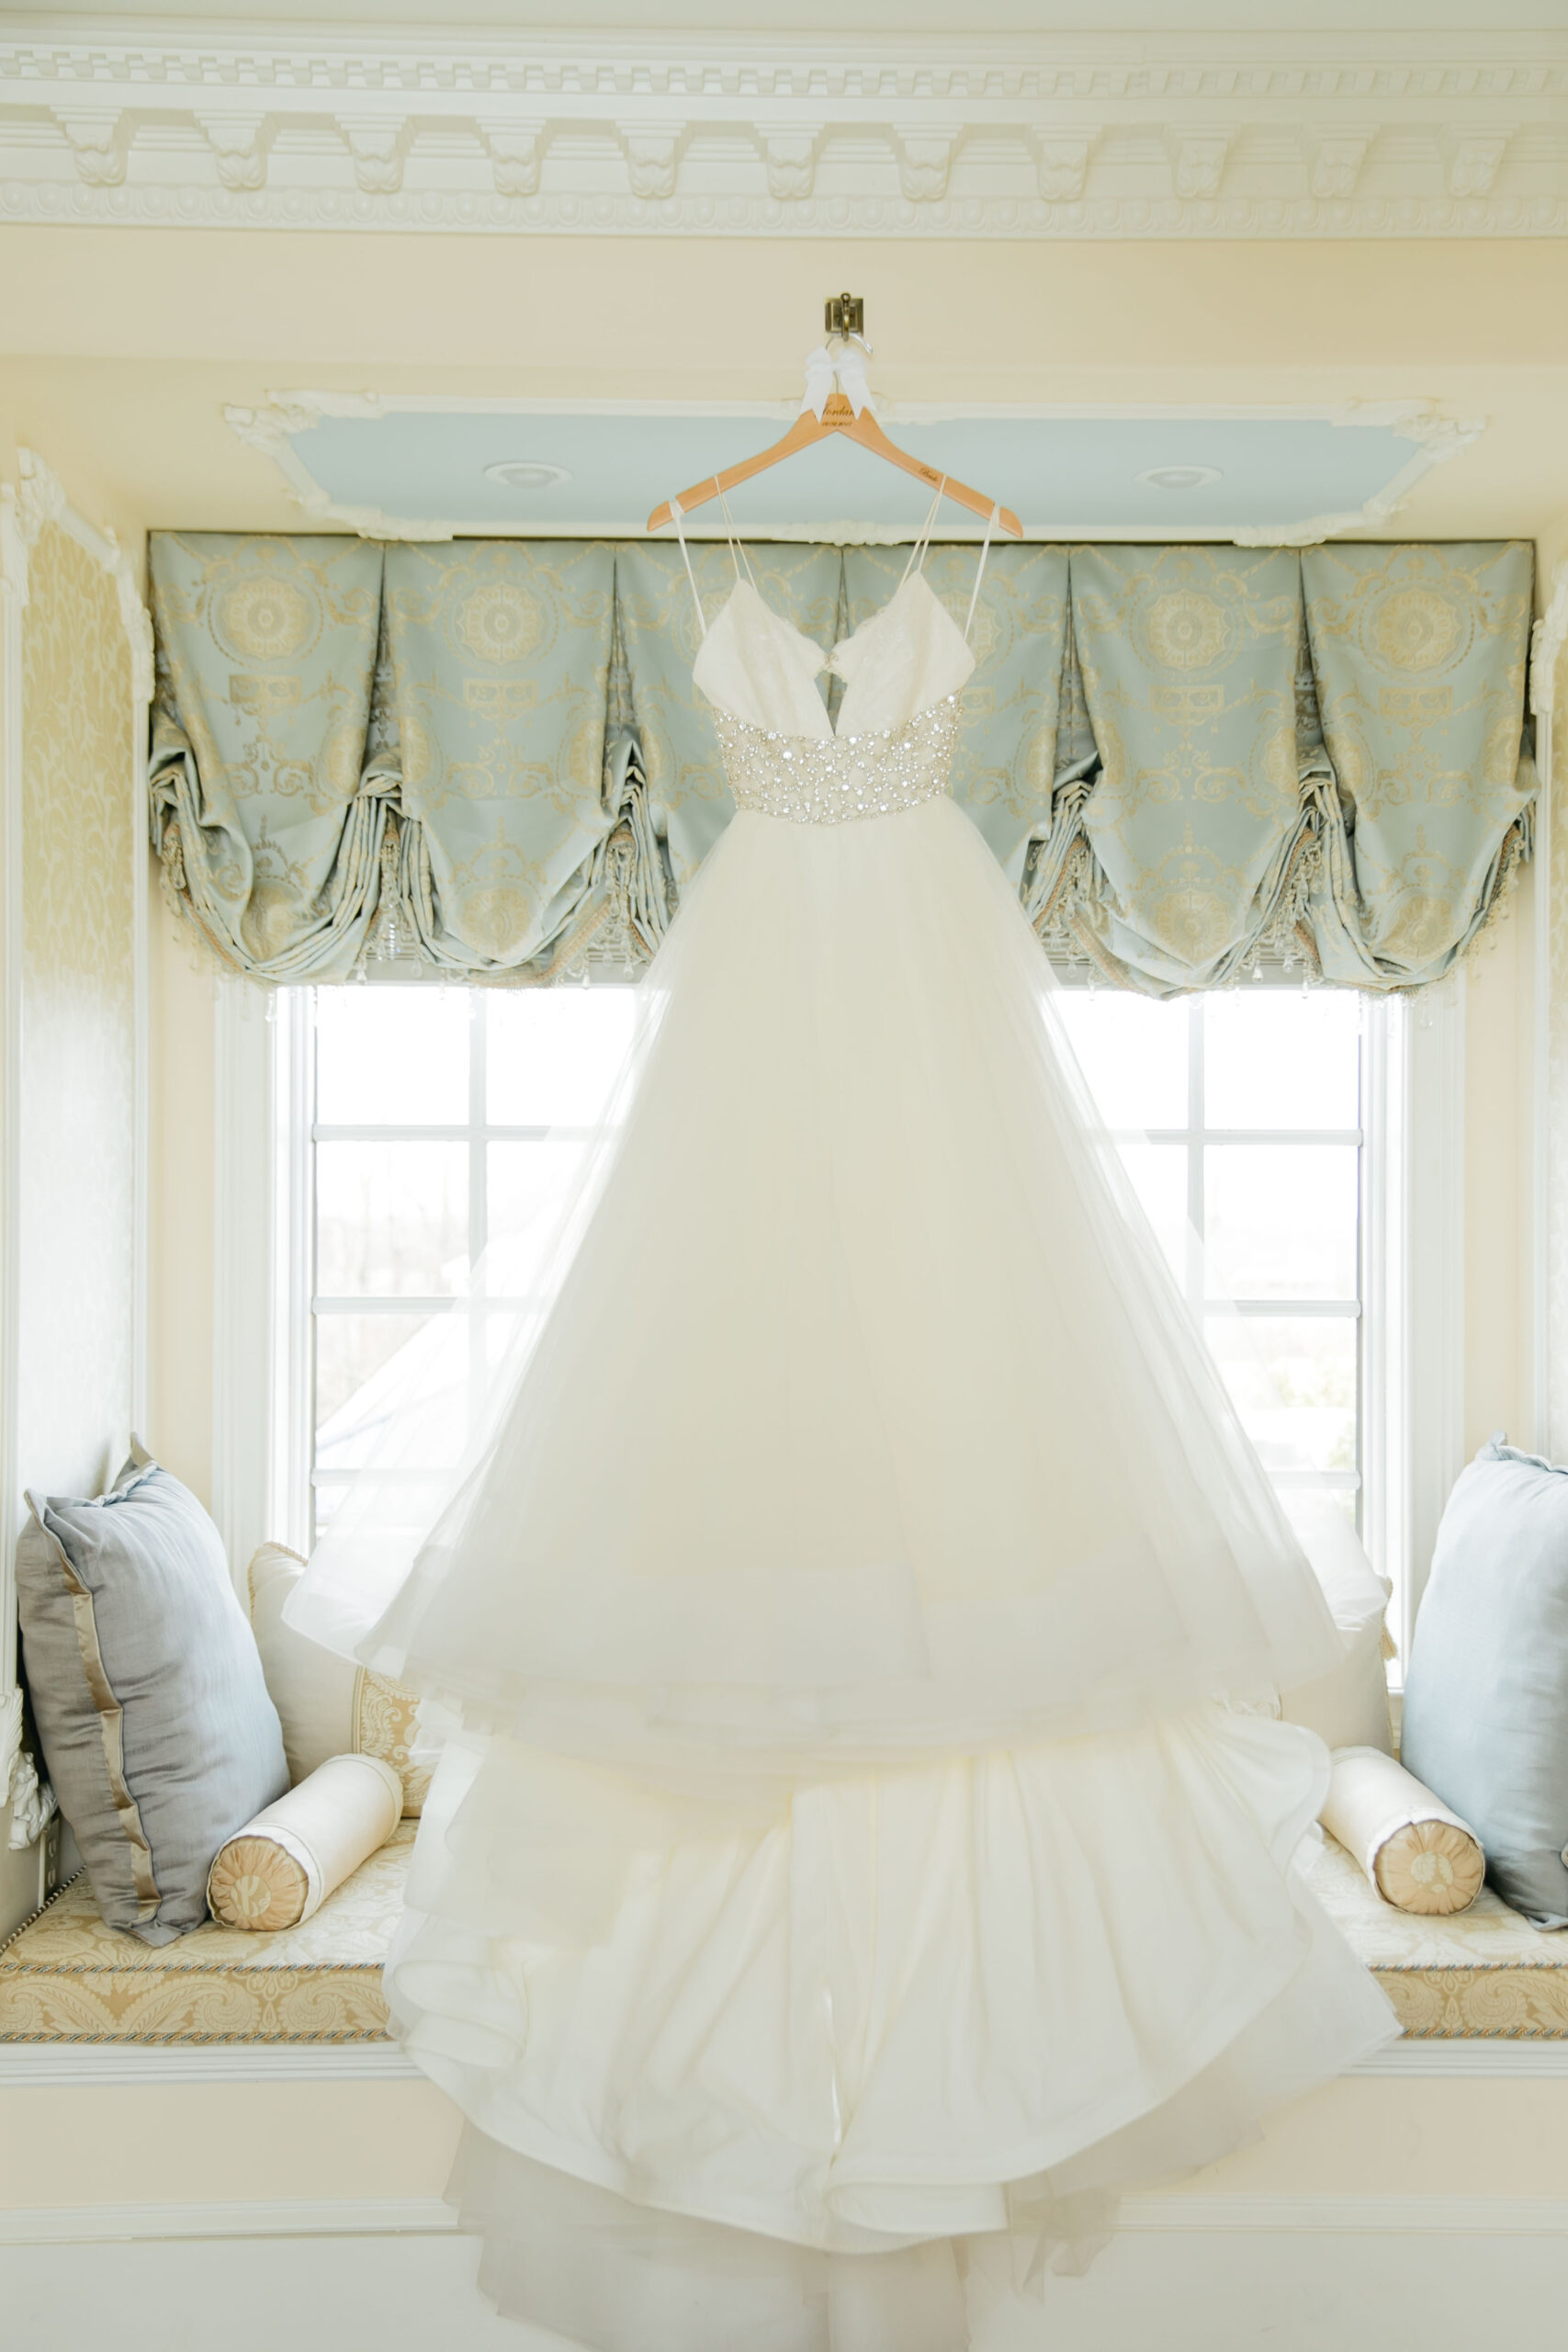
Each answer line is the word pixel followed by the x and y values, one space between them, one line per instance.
pixel 487 759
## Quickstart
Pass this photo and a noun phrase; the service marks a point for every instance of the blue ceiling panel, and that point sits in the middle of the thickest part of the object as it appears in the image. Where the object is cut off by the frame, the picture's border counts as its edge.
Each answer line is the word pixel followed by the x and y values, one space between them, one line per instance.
pixel 1060 473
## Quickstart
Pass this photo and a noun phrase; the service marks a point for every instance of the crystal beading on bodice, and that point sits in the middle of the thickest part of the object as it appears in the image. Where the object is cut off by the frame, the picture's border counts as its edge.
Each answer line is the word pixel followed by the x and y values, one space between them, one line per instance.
pixel 833 779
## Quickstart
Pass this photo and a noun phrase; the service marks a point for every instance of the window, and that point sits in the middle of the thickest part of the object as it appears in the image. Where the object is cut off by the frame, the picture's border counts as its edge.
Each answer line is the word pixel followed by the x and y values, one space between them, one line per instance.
pixel 1260 1118
pixel 439 1117
pixel 1247 1128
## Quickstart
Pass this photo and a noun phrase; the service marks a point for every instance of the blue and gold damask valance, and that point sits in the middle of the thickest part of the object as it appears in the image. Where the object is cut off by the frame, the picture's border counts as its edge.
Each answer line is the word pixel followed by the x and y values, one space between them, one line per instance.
pixel 488 759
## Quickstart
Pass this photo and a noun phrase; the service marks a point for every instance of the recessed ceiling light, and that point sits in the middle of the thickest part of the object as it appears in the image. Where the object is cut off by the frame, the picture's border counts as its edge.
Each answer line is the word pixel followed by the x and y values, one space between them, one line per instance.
pixel 526 473
pixel 1179 477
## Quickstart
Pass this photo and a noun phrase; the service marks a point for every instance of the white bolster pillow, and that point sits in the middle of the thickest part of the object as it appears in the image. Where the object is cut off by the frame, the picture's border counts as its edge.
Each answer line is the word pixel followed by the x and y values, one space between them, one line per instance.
pixel 1419 1855
pixel 282 1866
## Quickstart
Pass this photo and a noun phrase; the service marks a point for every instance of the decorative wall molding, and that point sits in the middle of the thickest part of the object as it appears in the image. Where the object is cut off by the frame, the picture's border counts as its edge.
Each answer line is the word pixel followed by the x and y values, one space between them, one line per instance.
pixel 108 2066
pixel 38 497
pixel 104 2065
pixel 283 2217
pixel 415 2217
pixel 1046 135
pixel 1547 639
pixel 277 429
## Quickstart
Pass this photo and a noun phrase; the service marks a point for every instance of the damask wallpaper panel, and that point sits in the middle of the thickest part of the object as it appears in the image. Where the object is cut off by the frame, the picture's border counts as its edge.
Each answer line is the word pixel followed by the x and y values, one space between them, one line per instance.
pixel 80 818
pixel 1555 1109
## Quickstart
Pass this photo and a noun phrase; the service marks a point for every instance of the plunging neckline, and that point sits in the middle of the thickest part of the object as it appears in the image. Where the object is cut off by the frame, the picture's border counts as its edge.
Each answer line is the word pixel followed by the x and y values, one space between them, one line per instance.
pixel 824 661
pixel 760 672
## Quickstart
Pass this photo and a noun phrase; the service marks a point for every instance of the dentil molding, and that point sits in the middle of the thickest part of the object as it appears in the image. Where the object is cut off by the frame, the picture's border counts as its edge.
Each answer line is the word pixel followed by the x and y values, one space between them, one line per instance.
pixel 1074 135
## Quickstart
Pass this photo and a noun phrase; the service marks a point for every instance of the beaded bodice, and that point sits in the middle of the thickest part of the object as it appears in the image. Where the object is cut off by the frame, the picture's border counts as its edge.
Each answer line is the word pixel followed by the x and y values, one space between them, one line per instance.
pixel 902 671
pixel 833 779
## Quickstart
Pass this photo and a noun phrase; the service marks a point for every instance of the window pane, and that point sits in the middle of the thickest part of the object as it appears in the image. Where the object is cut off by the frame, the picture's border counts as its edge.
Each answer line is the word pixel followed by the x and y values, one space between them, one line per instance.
pixel 1133 1054
pixel 1273 1057
pixel 1159 1171
pixel 391 1057
pixel 552 1054
pixel 530 1183
pixel 391 1219
pixel 1281 1219
pixel 351 1351
pixel 1293 1379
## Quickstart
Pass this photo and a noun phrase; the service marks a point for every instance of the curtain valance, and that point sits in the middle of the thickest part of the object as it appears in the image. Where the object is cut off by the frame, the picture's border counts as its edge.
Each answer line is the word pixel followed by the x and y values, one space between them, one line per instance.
pixel 488 756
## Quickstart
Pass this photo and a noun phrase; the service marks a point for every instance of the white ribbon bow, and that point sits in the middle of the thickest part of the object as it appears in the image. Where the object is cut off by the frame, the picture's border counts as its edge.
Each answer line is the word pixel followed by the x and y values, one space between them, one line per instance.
pixel 841 362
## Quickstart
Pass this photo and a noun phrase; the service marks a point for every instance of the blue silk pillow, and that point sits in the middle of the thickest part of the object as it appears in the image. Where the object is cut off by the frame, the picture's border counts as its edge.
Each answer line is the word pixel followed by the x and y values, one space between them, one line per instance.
pixel 147 1688
pixel 1486 1694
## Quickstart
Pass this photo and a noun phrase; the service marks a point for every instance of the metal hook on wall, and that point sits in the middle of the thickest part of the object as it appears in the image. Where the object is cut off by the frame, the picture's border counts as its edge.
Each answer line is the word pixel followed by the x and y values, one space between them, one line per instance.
pixel 844 314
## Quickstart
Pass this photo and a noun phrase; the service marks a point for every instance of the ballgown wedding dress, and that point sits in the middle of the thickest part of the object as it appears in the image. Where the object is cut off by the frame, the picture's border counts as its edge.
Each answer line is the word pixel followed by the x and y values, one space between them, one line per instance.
pixel 867 1846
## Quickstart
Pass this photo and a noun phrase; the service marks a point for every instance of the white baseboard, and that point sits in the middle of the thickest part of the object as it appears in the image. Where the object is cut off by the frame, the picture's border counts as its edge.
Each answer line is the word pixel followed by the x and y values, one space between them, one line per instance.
pixel 1353 2216
pixel 104 2064
pixel 407 2217
pixel 291 2217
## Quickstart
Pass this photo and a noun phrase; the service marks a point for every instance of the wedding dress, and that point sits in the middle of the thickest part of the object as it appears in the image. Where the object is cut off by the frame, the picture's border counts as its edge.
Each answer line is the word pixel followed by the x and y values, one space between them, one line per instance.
pixel 864 1850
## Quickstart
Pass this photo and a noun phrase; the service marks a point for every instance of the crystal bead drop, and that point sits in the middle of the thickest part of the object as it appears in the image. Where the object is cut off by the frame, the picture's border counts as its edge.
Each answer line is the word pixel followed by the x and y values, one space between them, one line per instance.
pixel 834 779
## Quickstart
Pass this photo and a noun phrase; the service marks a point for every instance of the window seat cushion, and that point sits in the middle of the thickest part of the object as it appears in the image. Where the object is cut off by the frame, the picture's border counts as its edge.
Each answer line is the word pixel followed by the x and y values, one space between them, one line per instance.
pixel 67 1977
pixel 1481 1974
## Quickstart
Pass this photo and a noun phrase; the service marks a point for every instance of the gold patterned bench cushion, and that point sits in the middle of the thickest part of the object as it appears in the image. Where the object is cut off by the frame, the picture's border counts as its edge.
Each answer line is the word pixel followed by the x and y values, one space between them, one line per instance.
pixel 1480 1974
pixel 1484 1973
pixel 66 1977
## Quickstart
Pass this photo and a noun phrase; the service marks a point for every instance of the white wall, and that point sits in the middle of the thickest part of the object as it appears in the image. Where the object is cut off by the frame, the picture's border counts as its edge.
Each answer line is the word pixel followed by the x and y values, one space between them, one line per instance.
pixel 1385 2211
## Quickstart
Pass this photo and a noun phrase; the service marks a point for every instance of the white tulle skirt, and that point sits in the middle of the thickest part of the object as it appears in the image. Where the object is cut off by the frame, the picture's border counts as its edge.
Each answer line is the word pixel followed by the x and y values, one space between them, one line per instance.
pixel 857 1860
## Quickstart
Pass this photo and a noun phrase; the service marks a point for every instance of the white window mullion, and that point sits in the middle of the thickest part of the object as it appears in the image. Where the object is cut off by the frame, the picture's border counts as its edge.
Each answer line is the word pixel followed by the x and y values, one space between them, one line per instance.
pixel 479 1183
pixel 294 1223
pixel 244 1270
pixel 1433 1302
pixel 1383 1357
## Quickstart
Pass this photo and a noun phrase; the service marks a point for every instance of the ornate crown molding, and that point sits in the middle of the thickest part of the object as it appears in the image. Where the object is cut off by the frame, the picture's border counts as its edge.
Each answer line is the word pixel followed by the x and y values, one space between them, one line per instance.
pixel 1068 135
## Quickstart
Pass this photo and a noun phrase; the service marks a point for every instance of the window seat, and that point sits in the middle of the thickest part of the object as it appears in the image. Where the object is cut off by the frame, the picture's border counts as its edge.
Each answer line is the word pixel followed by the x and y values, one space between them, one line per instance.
pixel 66 1977
pixel 1486 1974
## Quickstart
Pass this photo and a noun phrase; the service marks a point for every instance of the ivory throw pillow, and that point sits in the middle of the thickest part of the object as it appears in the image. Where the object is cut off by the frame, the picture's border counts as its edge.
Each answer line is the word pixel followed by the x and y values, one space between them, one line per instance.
pixel 279 1869
pixel 1349 1707
pixel 328 1707
pixel 1419 1855
pixel 1486 1695
pixel 147 1693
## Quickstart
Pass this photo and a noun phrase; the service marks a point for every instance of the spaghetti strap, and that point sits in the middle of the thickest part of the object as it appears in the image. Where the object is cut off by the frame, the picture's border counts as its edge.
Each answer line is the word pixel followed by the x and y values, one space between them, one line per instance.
pixel 737 554
pixel 980 573
pixel 921 548
pixel 676 512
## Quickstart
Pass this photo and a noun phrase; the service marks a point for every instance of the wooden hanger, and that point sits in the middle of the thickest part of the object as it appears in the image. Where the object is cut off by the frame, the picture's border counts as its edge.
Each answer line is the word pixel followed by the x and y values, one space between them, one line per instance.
pixel 838 416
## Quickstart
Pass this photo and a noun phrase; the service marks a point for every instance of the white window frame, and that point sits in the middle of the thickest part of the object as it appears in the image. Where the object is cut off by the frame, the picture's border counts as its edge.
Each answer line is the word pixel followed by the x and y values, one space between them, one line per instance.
pixel 1195 1137
pixel 1412 1283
